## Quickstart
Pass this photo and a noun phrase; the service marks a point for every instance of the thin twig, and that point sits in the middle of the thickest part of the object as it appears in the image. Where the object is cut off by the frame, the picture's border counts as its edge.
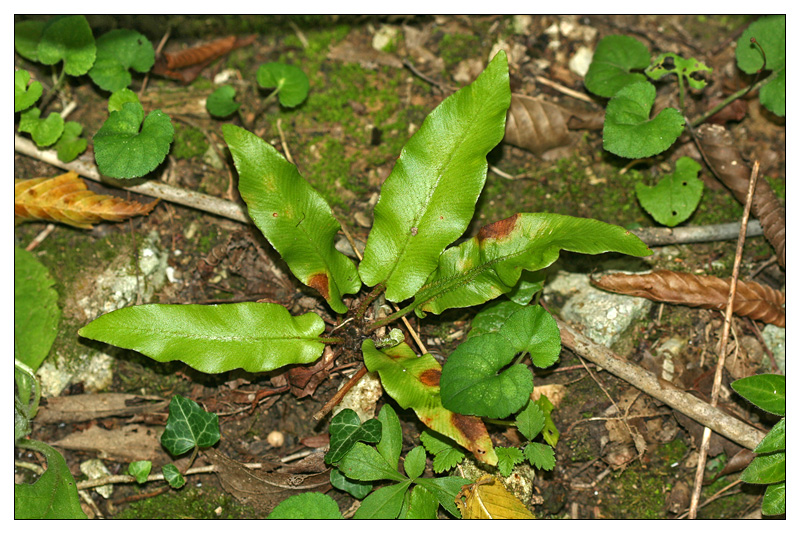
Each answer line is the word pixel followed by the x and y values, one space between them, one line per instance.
pixel 726 328
pixel 339 395
pixel 714 497
pixel 159 48
pixel 283 143
pixel 40 237
pixel 566 90
pixel 624 419
pixel 655 236
pixel 128 479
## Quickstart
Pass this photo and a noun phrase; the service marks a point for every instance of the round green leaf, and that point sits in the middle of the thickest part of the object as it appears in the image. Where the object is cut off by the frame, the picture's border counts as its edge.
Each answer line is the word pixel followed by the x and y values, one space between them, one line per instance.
pixel 310 505
pixel 614 59
pixel 36 312
pixel 220 103
pixel 120 98
pixel 676 196
pixel 770 32
pixel 140 470
pixel 118 51
pixel 70 146
pixel 24 95
pixel 189 426
pixel 68 38
pixel 472 383
pixel 629 131
pixel 123 151
pixel 27 35
pixel 773 94
pixel 534 331
pixel 290 82
pixel 44 132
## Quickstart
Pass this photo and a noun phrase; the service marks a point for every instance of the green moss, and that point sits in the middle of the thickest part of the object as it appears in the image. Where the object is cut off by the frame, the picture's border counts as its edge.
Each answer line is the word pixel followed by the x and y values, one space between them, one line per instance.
pixel 189 142
pixel 778 187
pixel 455 47
pixel 672 452
pixel 188 503
pixel 635 494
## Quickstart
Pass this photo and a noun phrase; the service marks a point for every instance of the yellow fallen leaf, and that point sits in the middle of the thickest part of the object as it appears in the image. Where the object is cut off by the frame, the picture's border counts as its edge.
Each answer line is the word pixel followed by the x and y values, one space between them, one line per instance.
pixel 487 498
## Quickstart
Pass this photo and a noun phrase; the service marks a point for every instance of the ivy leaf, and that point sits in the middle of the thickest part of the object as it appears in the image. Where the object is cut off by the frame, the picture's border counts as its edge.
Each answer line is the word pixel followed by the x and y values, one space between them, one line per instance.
pixel 445 490
pixel 70 146
pixel 290 82
pixel 628 130
pixel 122 150
pixel 429 198
pixel 770 32
pixel 346 429
pixel 676 195
pixel 118 51
pixel 53 495
pixel 491 263
pixel 530 421
pixel 309 505
pixel 472 384
pixel 670 63
pixel 774 500
pixel 614 59
pixel 25 95
pixel 507 458
pixel 44 132
pixel 27 35
pixel 421 504
pixel 189 426
pixel 766 469
pixel 540 456
pixel 119 98
pixel 356 488
pixel 446 454
pixel 255 336
pixel 775 440
pixel 140 470
pixel 173 476
pixel 68 38
pixel 366 464
pixel 391 444
pixel 293 216
pixel 768 392
pixel 414 383
pixel 414 463
pixel 383 503
pixel 220 103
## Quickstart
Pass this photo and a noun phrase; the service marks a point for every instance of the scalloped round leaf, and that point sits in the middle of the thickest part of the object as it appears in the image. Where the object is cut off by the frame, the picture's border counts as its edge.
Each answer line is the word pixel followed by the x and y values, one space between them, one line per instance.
pixel 220 103
pixel 123 151
pixel 628 130
pixel 534 331
pixel 189 426
pixel 44 132
pixel 71 145
pixel 675 197
pixel 68 38
pixel 492 317
pixel 472 382
pixel 290 82
pixel 27 35
pixel 254 336
pixel 770 32
pixel 118 51
pixel 25 95
pixel 120 98
pixel 614 59
pixel 309 505
pixel 773 94
pixel 36 312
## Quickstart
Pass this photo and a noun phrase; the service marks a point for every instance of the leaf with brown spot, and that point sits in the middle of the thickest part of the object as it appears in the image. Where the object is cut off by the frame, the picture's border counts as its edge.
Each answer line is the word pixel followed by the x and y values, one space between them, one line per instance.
pixel 413 382
pixel 492 262
pixel 66 199
pixel 488 498
pixel 752 299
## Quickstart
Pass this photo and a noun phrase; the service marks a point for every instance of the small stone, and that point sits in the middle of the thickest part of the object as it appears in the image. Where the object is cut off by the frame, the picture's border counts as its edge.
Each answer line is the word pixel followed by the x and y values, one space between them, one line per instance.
pixel 580 61
pixel 95 469
pixel 385 38
pixel 362 397
pixel 775 339
pixel 275 438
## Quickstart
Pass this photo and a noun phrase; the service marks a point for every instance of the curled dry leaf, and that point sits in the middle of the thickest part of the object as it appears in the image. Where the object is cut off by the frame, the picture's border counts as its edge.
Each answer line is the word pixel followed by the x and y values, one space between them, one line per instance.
pixel 66 199
pixel 187 64
pixel 537 125
pixel 752 299
pixel 725 160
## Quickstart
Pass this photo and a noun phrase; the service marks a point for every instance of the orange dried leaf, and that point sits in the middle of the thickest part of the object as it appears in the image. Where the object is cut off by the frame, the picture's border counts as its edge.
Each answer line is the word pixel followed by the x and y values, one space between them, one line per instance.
pixel 187 64
pixel 487 498
pixel 66 199
pixel 752 299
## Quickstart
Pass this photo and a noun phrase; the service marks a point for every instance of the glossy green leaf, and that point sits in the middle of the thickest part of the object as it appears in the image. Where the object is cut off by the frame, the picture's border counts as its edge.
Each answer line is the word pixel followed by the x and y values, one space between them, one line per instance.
pixel 414 383
pixel 25 95
pixel 68 39
pixel 414 462
pixel 429 198
pixel 356 488
pixel 290 82
pixel 421 504
pixel 173 476
pixel 118 51
pixel 123 150
pixel 446 454
pixel 766 469
pixel 140 470
pixel 213 339
pixel 53 495
pixel 383 503
pixel 684 69
pixel 540 456
pixel 767 391
pixel 445 490
pixel 530 421
pixel 507 458
pixel 44 132
pixel 293 216
pixel 119 98
pixel 472 382
pixel 308 505
pixel 774 500
pixel 220 103
pixel 391 444
pixel 614 59
pixel 676 195
pixel 491 263
pixel 346 429
pixel 189 426
pixel 774 441
pixel 628 130
pixel 366 464
pixel 71 145
pixel 550 433
pixel 27 35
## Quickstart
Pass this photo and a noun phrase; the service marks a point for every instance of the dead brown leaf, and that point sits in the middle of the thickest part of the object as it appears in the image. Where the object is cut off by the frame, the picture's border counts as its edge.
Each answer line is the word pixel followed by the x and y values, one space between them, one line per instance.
pixel 78 408
pixel 187 65
pixel 129 443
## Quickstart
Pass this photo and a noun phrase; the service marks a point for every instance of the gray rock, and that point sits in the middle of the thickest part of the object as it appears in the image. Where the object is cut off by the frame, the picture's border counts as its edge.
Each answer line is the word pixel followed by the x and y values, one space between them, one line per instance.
pixel 775 339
